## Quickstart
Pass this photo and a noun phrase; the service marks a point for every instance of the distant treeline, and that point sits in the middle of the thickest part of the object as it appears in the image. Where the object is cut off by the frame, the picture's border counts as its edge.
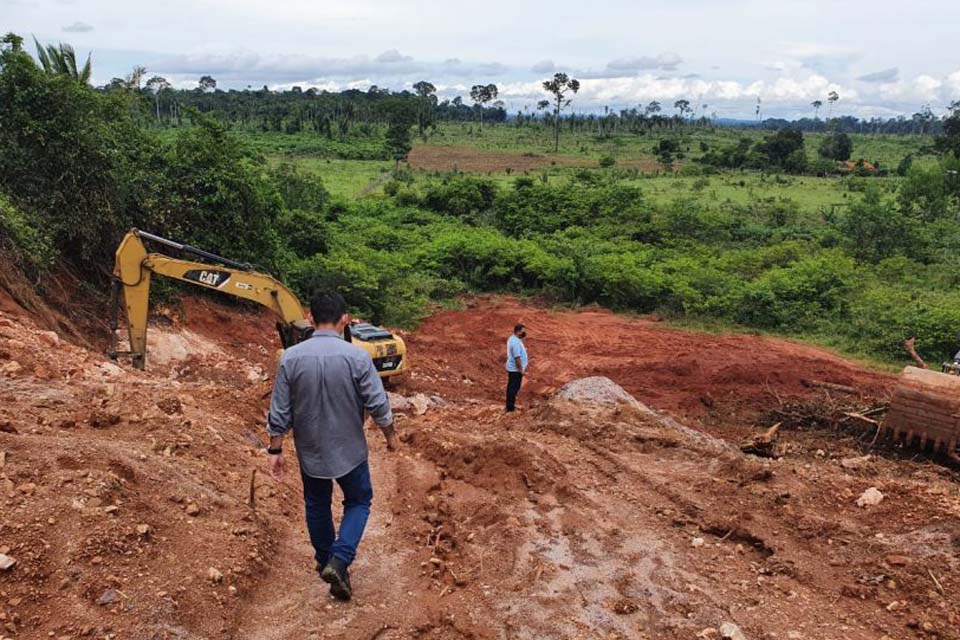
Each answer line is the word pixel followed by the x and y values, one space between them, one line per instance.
pixel 334 114
pixel 295 110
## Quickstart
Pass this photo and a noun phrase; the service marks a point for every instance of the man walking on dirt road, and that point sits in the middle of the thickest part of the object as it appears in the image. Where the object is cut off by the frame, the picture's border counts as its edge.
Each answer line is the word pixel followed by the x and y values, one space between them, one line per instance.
pixel 322 389
pixel 516 364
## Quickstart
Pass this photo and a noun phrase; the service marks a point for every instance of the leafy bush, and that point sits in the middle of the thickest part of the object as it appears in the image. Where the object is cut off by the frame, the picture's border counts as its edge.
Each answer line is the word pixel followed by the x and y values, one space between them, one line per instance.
pixel 799 296
pixel 298 188
pixel 21 238
pixel 461 196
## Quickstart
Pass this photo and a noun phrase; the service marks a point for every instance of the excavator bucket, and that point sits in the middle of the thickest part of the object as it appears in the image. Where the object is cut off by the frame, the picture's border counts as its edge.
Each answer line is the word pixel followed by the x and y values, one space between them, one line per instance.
pixel 925 410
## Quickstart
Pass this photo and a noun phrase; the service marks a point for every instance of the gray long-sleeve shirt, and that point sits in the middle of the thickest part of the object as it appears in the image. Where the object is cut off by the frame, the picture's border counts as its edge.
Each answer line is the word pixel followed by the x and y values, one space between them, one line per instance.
pixel 322 388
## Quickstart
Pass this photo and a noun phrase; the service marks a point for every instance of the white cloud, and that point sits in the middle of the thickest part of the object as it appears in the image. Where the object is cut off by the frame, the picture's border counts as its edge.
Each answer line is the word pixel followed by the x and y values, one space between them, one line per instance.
pixel 887 75
pixel 664 62
pixel 544 66
pixel 815 45
pixel 77 27
pixel 391 56
pixel 242 64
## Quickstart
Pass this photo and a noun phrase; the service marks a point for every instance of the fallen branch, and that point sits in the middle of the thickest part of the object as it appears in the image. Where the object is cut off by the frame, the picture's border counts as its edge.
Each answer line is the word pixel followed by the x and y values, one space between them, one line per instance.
pixel 833 386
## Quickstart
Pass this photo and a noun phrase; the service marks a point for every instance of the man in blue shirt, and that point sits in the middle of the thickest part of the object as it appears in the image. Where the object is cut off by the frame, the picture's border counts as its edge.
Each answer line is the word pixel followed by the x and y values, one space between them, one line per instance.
pixel 516 364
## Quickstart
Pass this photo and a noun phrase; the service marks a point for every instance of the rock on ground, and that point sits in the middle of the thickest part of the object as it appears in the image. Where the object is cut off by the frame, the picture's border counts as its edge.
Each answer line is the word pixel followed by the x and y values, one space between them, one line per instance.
pixel 398 402
pixel 6 562
pixel 599 391
pixel 870 498
pixel 731 631
pixel 596 390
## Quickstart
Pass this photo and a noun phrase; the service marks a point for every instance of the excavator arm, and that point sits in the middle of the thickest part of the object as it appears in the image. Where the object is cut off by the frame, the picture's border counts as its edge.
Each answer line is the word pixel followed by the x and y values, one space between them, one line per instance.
pixel 134 268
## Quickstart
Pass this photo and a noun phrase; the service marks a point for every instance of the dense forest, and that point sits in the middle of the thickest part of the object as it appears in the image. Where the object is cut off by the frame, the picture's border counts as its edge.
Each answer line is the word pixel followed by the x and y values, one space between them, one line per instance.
pixel 80 165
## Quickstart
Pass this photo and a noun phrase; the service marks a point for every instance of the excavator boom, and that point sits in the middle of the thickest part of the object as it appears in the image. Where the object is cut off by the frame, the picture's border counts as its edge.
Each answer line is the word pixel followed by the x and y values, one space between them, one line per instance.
pixel 134 268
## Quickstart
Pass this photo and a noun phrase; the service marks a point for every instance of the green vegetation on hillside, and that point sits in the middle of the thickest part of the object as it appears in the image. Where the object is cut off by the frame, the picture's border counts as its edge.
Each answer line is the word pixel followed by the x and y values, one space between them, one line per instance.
pixel 858 259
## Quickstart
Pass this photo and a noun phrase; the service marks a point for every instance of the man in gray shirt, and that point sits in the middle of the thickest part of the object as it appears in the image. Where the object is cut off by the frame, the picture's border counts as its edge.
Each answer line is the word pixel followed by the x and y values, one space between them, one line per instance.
pixel 323 388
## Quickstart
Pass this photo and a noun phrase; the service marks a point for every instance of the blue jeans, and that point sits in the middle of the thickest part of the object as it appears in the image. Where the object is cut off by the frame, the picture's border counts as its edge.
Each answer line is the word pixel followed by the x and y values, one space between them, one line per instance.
pixel 357 495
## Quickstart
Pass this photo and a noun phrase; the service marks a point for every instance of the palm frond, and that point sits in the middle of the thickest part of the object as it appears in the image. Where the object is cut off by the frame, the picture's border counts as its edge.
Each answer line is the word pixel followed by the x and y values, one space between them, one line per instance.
pixel 43 57
pixel 87 71
pixel 68 58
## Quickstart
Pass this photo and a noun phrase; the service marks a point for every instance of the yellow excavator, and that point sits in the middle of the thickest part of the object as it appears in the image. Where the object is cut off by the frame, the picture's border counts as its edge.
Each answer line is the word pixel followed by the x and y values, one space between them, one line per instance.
pixel 134 268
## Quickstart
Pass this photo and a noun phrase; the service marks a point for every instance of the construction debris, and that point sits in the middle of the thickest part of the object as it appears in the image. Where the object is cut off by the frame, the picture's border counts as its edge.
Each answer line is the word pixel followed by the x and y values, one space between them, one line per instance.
pixel 763 444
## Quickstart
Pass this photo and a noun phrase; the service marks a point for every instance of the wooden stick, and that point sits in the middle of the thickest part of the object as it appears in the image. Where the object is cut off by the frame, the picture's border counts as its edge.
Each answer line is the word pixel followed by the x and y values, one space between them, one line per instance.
pixel 936 582
pixel 832 386
pixel 860 416
pixel 252 501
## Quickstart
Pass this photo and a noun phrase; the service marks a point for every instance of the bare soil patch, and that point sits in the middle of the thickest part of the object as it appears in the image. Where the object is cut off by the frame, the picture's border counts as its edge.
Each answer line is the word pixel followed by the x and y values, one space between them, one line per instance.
pixel 471 160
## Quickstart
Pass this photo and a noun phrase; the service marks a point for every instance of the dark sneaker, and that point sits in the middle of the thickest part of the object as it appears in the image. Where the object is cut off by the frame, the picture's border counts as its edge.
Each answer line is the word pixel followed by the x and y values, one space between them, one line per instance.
pixel 336 575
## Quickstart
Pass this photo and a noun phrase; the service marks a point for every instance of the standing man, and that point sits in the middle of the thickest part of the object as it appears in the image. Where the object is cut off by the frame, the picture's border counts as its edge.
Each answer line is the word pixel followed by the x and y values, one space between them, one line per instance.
pixel 516 364
pixel 322 389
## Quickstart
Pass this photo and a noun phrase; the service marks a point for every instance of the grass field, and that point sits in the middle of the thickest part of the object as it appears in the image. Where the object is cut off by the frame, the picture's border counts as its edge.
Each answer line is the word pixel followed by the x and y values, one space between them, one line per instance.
pixel 504 152
pixel 344 178
pixel 889 150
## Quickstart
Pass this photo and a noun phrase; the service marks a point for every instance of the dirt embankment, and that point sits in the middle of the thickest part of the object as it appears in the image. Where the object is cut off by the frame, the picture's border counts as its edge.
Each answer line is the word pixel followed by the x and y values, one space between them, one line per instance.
pixel 721 378
pixel 125 495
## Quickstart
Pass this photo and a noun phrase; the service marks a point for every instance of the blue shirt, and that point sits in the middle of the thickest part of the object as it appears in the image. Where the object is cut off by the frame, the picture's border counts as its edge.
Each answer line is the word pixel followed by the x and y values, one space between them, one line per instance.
pixel 323 387
pixel 515 349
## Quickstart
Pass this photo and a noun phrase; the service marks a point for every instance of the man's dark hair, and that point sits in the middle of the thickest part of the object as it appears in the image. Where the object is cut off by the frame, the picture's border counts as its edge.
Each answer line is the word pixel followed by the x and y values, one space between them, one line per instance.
pixel 518 328
pixel 327 307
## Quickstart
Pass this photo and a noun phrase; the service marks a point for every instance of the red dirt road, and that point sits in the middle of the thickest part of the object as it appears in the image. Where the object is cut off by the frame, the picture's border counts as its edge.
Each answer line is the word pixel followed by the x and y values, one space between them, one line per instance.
pixel 124 496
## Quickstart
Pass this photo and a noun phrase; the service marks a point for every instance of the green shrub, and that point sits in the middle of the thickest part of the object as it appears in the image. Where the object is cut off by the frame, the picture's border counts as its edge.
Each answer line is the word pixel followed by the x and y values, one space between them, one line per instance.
pixel 799 296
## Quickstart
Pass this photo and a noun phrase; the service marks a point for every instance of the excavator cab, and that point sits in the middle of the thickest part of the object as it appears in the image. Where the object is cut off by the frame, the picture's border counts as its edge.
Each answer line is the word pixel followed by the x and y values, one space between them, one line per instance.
pixel 134 268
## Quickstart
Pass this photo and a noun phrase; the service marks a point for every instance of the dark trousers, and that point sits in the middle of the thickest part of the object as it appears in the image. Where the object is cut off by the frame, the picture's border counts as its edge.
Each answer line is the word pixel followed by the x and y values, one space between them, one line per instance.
pixel 357 496
pixel 514 380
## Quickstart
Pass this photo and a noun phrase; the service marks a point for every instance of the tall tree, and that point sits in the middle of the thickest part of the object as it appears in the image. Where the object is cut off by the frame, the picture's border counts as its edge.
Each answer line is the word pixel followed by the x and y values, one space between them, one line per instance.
pixel 136 77
pixel 949 142
pixel 560 85
pixel 156 85
pixel 62 60
pixel 816 104
pixel 481 94
pixel 832 97
pixel 207 83
pixel 401 117
pixel 682 106
pixel 428 100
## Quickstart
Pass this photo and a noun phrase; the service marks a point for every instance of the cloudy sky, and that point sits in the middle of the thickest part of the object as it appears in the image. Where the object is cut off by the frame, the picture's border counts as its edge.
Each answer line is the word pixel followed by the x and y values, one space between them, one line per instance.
pixel 883 58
